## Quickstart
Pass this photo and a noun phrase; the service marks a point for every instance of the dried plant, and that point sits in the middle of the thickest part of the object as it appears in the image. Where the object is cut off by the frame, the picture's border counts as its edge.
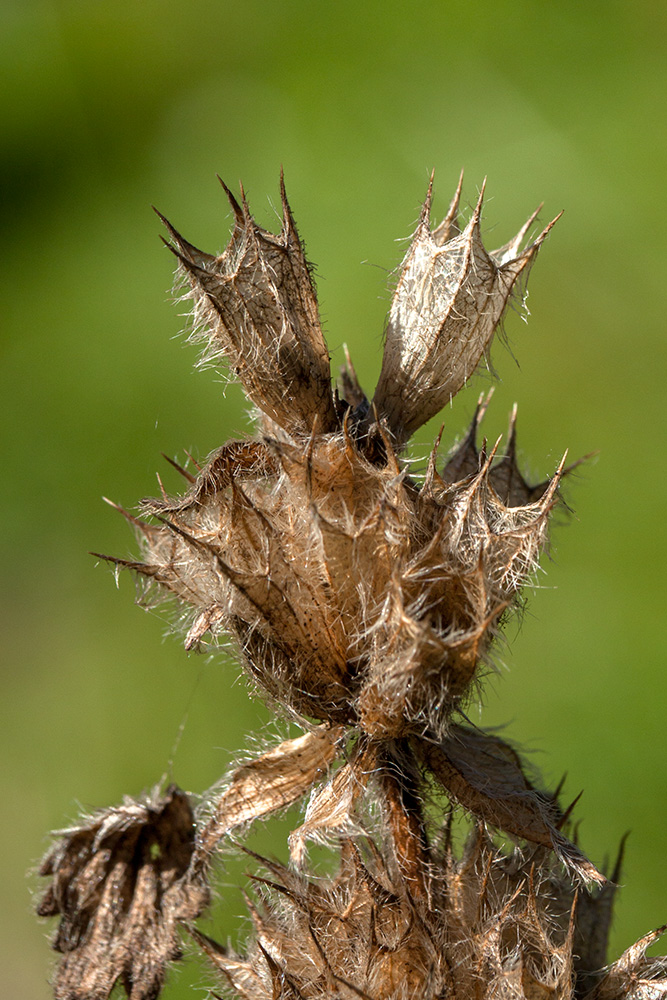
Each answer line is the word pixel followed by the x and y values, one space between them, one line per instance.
pixel 364 603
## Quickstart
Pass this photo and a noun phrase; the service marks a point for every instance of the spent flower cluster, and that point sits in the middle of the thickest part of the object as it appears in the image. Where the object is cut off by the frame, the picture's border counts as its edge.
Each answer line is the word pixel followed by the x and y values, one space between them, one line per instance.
pixel 364 603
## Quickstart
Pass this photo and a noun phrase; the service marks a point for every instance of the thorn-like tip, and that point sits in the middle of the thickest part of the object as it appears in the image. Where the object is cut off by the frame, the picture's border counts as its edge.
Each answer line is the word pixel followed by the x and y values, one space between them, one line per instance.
pixel 288 218
pixel 235 207
pixel 161 217
pixel 477 212
pixel 425 215
pixel 179 468
pixel 547 229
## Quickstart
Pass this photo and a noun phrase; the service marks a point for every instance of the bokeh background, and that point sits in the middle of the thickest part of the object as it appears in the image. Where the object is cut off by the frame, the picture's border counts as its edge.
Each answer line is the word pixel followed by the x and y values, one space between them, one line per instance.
pixel 108 107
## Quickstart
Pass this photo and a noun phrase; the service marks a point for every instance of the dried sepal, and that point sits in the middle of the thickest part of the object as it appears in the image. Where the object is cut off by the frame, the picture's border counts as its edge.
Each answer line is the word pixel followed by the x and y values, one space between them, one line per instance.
pixel 444 601
pixel 235 461
pixel 592 924
pixel 401 798
pixel 266 784
pixel 485 776
pixel 450 225
pixel 247 983
pixel 255 306
pixel 634 976
pixel 122 884
pixel 350 938
pixel 464 459
pixel 450 298
pixel 332 807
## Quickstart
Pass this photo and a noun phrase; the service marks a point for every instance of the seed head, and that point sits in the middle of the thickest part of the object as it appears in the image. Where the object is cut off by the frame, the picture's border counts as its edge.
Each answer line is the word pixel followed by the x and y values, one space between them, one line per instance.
pixel 358 594
pixel 365 601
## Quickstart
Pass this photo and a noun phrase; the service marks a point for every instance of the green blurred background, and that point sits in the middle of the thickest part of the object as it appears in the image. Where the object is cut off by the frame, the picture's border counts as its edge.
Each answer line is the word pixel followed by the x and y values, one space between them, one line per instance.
pixel 109 107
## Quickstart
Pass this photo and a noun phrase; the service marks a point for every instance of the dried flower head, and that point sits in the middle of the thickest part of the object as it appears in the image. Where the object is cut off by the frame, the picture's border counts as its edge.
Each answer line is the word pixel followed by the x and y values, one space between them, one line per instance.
pixel 485 924
pixel 365 602
pixel 121 883
pixel 488 927
pixel 358 595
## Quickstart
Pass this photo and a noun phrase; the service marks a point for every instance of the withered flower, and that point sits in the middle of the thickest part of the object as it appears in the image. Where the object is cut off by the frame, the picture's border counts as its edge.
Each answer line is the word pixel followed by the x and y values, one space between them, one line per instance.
pixel 365 601
pixel 358 595
pixel 485 924
pixel 121 885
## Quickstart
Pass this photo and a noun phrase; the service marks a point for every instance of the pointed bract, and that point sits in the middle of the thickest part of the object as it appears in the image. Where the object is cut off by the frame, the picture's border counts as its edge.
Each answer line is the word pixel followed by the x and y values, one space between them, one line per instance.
pixel 450 298
pixel 255 306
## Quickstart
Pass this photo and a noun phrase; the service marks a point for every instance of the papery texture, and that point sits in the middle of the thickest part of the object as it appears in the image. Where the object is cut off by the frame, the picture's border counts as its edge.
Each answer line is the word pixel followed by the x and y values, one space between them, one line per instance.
pixel 450 297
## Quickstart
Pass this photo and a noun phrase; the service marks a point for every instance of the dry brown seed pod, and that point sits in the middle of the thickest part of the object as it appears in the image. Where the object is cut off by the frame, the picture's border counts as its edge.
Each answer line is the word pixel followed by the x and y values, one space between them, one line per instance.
pixel 358 595
pixel 450 298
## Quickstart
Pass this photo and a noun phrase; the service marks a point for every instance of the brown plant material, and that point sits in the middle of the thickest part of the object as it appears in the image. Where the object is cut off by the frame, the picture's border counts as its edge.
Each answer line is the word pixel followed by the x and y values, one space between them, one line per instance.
pixel 255 306
pixel 485 775
pixel 634 975
pixel 488 928
pixel 121 885
pixel 267 784
pixel 365 602
pixel 357 595
pixel 333 807
pixel 450 297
